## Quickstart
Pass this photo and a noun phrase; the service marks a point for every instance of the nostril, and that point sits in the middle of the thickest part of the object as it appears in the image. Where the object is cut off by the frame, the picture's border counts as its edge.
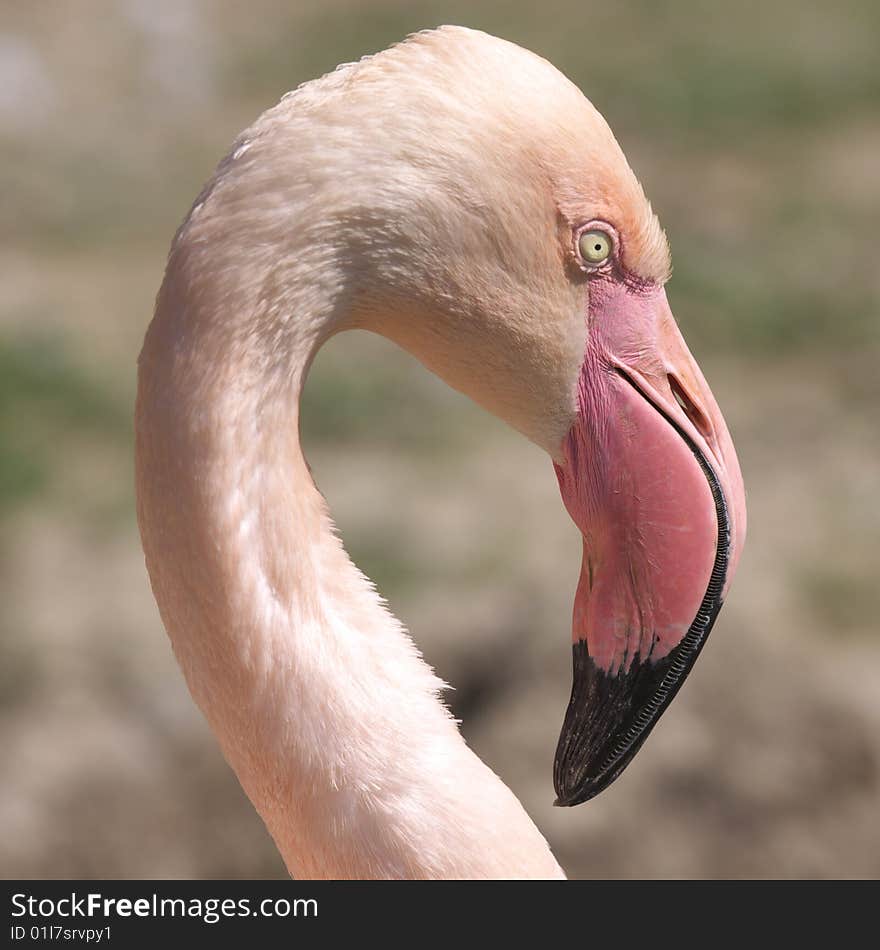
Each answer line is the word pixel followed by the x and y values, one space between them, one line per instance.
pixel 696 415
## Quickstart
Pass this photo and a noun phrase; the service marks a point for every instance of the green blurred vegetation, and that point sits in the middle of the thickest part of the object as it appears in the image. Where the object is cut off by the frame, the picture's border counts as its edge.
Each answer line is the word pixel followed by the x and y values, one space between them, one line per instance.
pixel 48 406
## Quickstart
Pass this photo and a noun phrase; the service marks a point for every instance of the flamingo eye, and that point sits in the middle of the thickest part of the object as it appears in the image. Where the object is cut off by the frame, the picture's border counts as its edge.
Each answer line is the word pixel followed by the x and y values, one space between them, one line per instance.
pixel 595 247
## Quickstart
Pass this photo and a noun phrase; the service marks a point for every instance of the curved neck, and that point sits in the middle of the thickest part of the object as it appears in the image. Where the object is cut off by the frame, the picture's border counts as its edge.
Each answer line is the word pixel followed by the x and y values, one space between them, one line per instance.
pixel 320 701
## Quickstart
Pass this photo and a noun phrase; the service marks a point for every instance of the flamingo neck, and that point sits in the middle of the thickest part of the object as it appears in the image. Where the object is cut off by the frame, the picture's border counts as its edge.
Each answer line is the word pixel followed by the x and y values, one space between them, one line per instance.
pixel 320 701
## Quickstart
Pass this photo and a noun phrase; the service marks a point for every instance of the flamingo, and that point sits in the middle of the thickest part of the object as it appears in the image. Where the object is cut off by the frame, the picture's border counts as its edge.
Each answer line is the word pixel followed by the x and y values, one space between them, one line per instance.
pixel 458 195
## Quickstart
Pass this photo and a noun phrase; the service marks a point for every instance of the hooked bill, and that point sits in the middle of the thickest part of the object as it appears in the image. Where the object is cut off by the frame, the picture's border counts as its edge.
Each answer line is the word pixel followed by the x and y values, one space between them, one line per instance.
pixel 651 478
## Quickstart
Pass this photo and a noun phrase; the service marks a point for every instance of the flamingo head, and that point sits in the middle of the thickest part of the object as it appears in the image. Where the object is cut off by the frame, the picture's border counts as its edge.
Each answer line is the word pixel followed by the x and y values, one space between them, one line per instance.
pixel 466 200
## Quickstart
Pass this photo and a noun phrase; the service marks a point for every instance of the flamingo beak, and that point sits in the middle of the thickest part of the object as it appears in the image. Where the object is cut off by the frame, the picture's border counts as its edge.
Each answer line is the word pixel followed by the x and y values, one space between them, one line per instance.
pixel 650 476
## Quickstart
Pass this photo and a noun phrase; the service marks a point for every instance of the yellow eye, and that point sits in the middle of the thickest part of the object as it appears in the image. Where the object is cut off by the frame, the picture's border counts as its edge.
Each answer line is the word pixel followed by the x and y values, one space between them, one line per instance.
pixel 595 247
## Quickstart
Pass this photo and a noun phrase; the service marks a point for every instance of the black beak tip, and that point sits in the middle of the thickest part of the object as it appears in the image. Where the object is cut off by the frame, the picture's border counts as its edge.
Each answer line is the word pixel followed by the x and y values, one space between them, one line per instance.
pixel 582 790
pixel 609 716
pixel 569 801
pixel 598 739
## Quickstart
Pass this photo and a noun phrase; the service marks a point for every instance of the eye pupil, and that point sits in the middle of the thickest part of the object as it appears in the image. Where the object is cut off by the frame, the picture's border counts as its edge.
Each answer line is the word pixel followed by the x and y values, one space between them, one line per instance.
pixel 595 247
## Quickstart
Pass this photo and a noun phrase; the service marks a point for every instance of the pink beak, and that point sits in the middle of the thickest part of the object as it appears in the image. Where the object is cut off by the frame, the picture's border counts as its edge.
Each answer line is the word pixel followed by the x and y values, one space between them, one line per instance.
pixel 651 478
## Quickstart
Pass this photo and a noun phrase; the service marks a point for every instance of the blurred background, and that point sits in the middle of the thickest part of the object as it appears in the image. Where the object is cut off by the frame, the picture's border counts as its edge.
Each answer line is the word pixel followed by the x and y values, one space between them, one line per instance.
pixel 755 129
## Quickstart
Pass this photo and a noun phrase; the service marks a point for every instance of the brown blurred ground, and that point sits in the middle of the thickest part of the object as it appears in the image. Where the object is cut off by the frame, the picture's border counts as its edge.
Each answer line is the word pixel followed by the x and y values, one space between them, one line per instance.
pixel 757 135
